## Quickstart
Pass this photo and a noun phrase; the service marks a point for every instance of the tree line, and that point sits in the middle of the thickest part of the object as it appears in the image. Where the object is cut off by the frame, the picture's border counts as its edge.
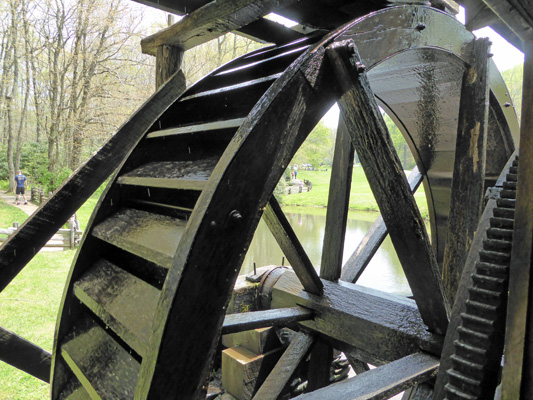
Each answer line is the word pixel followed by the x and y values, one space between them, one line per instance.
pixel 71 72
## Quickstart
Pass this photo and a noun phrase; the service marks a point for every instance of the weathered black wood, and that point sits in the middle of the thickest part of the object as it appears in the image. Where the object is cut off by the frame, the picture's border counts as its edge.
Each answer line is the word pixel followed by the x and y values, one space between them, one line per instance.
pixel 24 355
pixel 385 326
pixel 338 203
pixel 319 365
pixel 516 14
pixel 291 247
pixel 358 366
pixel 87 344
pixel 517 379
pixel 210 126
pixel 280 375
pixel 285 115
pixel 151 236
pixel 356 264
pixel 122 301
pixel 422 391
pixel 168 61
pixel 466 203
pixel 387 181
pixel 185 175
pixel 261 319
pixel 381 382
pixel 16 252
pixel 209 22
pixel 74 390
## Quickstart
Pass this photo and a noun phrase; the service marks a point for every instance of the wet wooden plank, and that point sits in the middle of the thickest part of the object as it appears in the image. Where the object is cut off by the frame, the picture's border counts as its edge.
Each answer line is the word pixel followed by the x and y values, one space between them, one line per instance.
pixel 150 236
pixel 382 382
pixel 338 203
pixel 361 257
pixel 209 126
pixel 280 375
pixel 50 217
pixel 24 355
pixel 209 22
pixel 318 373
pixel 387 180
pixel 262 319
pixel 291 247
pixel 74 390
pixel 385 326
pixel 185 175
pixel 85 348
pixel 468 182
pixel 122 301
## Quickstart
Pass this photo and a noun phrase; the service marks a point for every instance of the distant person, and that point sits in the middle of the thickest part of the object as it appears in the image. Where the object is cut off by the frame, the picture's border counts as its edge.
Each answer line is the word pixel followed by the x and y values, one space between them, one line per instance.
pixel 21 183
pixel 295 171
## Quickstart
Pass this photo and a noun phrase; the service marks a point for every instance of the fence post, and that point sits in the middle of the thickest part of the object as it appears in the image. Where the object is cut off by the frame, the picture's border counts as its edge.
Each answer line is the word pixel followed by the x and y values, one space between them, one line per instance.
pixel 15 225
pixel 72 227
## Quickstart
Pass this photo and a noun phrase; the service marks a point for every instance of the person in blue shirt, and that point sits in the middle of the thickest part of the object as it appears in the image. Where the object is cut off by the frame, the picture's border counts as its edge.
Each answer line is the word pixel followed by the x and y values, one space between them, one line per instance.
pixel 21 181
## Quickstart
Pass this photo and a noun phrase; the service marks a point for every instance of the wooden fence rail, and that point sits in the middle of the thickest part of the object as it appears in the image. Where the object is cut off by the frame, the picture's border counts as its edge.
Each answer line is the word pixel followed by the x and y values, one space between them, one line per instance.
pixel 38 195
pixel 66 238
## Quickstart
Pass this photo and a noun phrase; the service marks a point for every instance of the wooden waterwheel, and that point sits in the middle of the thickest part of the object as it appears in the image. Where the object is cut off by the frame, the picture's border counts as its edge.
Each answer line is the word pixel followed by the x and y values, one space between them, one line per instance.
pixel 145 301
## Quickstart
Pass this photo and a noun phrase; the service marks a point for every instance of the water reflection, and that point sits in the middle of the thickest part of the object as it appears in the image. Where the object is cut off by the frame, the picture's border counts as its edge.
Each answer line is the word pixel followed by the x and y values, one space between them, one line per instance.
pixel 384 271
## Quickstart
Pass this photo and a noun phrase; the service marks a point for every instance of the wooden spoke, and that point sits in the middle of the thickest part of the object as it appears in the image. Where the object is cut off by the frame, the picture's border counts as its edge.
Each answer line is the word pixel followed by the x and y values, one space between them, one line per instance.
pixel 291 247
pixel 387 181
pixel 468 182
pixel 338 202
pixel 261 319
pixel 370 243
pixel 24 355
pixel 382 382
pixel 282 372
pixel 319 365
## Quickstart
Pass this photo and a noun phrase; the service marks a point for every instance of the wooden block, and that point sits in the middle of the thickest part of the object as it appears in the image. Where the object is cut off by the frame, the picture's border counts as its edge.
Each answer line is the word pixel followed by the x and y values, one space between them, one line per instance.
pixel 243 372
pixel 257 341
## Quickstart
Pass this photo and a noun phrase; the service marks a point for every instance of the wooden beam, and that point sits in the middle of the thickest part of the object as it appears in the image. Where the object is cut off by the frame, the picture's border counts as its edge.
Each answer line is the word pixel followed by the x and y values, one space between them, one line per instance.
pixel 468 184
pixel 291 247
pixel 319 365
pixel 391 190
pixel 24 355
pixel 282 372
pixel 210 21
pixel 168 61
pixel 517 380
pixel 338 203
pixel 384 326
pixel 261 319
pixel 516 14
pixel 20 248
pixel 381 382
pixel 358 366
pixel 356 264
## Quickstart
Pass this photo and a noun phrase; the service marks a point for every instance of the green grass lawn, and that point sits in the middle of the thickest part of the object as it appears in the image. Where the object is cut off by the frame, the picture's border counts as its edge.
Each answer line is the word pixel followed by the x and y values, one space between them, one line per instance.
pixel 29 304
pixel 361 197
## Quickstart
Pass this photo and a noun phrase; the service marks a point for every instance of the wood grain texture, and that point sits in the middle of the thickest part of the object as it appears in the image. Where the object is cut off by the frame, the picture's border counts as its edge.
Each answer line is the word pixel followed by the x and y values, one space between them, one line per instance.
pixel 168 61
pixel 361 257
pixel 280 375
pixel 338 203
pixel 468 185
pixel 391 191
pixel 209 22
pixel 381 382
pixel 262 319
pixel 16 252
pixel 291 247
pixel 24 355
pixel 518 366
pixel 386 327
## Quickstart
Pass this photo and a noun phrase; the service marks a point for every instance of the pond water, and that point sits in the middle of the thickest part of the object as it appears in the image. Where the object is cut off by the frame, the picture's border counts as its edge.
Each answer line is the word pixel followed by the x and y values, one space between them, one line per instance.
pixel 384 271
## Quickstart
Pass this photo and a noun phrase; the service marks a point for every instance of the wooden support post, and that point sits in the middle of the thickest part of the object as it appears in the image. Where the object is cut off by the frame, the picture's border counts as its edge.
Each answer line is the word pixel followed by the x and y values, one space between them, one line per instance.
pixel 466 203
pixel 356 264
pixel 389 185
pixel 261 319
pixel 291 247
pixel 24 355
pixel 168 61
pixel 338 202
pixel 517 377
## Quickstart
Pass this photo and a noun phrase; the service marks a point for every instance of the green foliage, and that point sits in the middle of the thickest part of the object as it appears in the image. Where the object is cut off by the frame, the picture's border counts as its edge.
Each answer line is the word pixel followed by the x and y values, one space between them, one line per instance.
pixel 513 79
pixel 10 214
pixel 402 149
pixel 317 148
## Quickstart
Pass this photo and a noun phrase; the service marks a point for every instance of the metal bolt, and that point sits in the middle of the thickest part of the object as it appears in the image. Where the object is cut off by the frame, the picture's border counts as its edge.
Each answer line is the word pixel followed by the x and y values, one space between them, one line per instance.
pixel 235 216
pixel 360 67
pixel 507 104
pixel 213 224
pixel 420 27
